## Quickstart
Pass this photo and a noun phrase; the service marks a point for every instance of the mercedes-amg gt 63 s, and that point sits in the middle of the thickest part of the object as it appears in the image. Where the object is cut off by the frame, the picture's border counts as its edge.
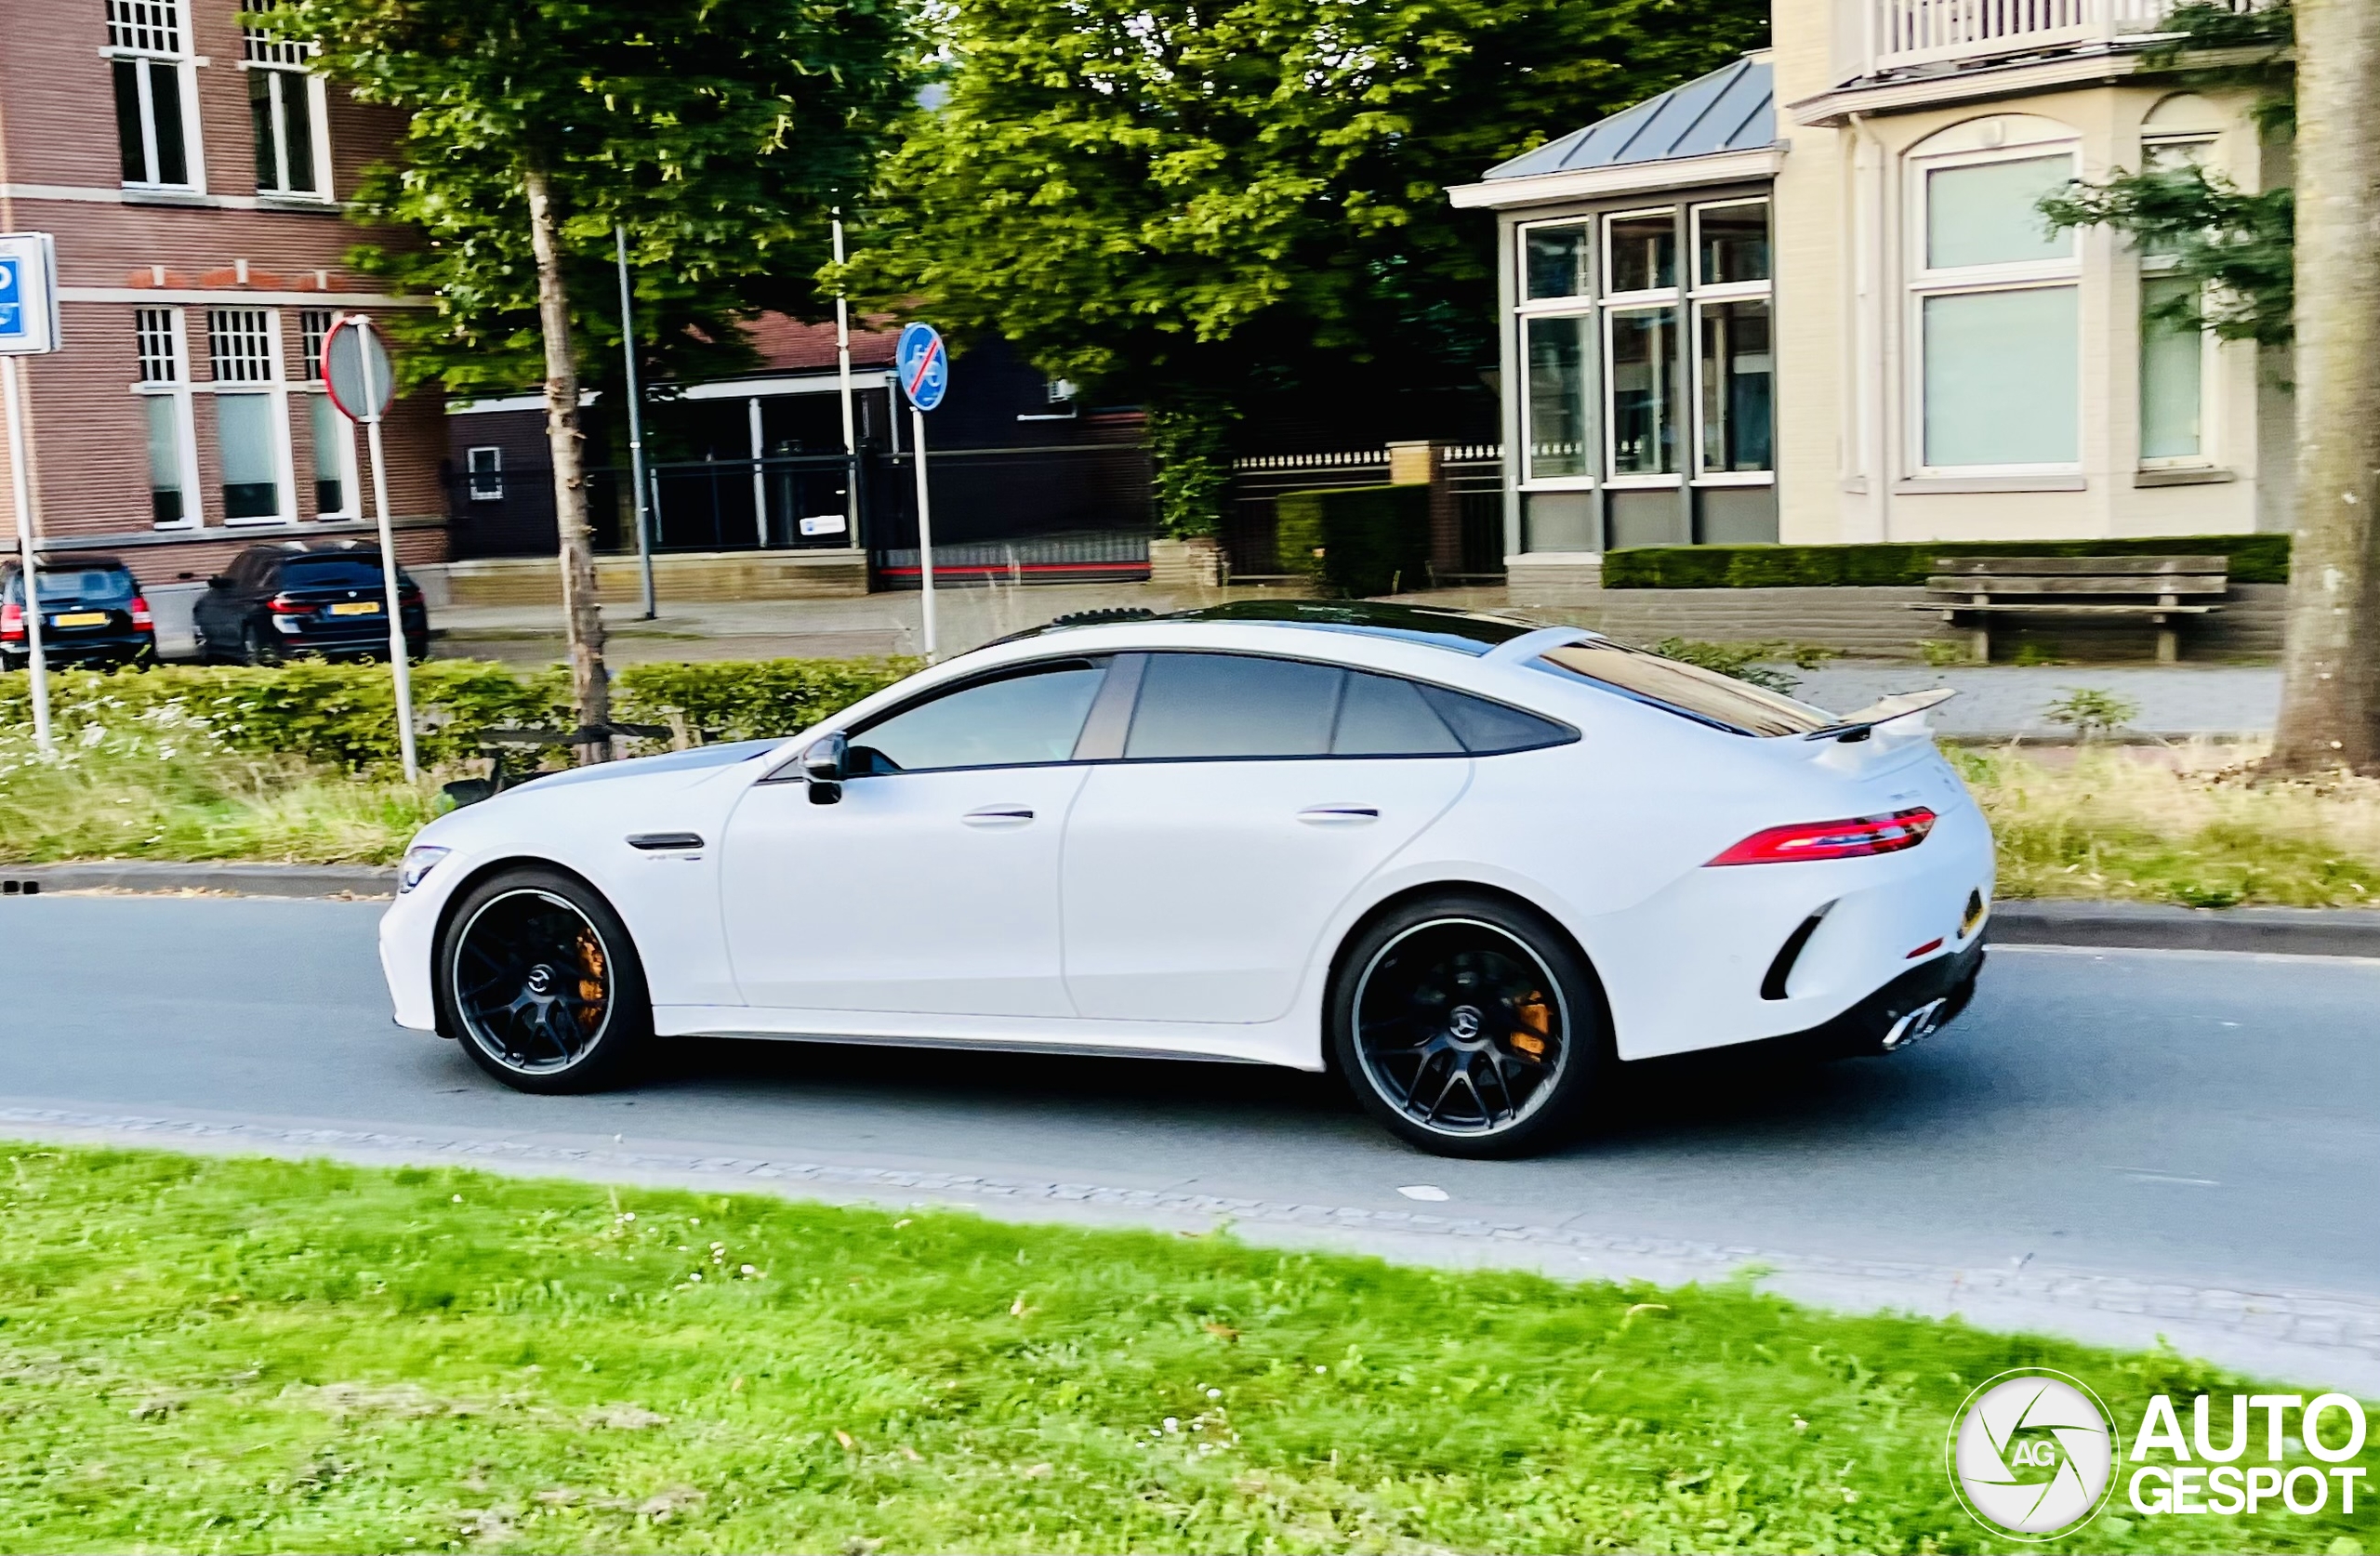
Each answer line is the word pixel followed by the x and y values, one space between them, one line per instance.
pixel 1470 863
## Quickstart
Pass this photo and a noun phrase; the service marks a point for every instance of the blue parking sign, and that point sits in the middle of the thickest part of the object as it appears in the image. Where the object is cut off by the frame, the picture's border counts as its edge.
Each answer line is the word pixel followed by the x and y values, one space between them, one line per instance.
pixel 12 299
pixel 28 293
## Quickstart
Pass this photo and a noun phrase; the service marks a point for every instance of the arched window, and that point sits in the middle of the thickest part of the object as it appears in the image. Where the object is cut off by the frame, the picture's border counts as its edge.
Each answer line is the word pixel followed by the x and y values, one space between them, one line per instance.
pixel 1994 300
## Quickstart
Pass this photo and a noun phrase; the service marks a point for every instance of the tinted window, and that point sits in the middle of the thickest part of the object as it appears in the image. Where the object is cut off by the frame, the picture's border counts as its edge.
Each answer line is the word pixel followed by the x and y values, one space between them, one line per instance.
pixel 1686 689
pixel 1229 705
pixel 331 572
pixel 1485 728
pixel 96 585
pixel 1381 716
pixel 1034 717
pixel 1464 631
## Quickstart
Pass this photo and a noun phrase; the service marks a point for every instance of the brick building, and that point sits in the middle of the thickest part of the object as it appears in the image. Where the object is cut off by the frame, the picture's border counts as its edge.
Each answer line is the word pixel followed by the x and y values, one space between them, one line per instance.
pixel 192 175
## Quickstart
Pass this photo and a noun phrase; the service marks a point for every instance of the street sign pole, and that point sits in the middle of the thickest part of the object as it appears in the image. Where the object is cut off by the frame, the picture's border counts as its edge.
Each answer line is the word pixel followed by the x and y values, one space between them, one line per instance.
pixel 22 491
pixel 843 387
pixel 372 378
pixel 29 326
pixel 636 420
pixel 925 523
pixel 924 368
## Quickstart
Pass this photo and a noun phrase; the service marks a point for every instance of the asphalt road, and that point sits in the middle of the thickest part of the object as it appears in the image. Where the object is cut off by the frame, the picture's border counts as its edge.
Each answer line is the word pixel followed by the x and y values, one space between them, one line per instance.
pixel 2111 1142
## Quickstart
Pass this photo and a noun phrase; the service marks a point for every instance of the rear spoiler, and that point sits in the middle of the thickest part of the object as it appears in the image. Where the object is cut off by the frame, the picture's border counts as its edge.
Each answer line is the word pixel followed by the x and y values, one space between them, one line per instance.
pixel 1864 723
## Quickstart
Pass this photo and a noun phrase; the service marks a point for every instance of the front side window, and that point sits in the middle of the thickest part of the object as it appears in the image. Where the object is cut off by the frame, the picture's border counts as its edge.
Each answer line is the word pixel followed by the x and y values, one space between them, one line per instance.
pixel 1997 305
pixel 149 50
pixel 1028 718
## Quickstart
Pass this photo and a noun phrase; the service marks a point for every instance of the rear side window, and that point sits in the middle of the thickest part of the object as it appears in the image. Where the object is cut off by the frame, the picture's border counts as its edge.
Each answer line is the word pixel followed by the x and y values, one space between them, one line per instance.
pixel 1213 706
pixel 1700 694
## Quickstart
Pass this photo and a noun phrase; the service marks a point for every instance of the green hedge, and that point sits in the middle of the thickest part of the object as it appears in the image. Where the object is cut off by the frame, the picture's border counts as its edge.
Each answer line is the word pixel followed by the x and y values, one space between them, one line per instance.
pixel 2255 559
pixel 344 715
pixel 1355 541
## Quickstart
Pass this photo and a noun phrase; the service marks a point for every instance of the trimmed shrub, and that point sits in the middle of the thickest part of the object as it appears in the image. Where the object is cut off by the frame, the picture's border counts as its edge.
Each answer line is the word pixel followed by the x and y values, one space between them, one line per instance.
pixel 2255 559
pixel 1355 541
pixel 344 715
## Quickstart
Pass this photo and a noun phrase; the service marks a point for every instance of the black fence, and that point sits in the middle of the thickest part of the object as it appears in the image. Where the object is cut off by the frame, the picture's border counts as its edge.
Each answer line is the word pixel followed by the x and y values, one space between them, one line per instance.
pixel 1248 532
pixel 1080 513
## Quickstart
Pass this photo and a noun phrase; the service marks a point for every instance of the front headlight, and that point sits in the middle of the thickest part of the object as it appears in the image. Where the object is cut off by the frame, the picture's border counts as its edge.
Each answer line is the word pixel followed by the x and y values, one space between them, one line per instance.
pixel 420 860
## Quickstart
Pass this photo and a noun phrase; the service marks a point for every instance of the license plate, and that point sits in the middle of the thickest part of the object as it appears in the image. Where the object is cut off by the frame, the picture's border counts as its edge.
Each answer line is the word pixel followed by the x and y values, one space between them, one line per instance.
pixel 357 608
pixel 81 618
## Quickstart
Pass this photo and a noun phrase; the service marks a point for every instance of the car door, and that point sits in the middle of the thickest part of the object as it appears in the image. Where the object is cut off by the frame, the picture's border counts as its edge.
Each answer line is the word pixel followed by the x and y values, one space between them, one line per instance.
pixel 931 885
pixel 1253 796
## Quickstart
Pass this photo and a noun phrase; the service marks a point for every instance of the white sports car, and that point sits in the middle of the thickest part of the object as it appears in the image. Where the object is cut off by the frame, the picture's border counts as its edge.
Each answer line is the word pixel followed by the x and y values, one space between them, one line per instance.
pixel 1468 862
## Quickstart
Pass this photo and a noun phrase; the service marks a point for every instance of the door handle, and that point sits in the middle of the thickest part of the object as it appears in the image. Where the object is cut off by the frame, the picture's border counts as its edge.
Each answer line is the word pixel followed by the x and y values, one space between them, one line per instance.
pixel 999 815
pixel 1338 815
pixel 649 841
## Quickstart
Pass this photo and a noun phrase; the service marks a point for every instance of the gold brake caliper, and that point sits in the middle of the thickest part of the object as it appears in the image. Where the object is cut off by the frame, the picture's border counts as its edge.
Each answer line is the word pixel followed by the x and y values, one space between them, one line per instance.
pixel 1532 1025
pixel 590 970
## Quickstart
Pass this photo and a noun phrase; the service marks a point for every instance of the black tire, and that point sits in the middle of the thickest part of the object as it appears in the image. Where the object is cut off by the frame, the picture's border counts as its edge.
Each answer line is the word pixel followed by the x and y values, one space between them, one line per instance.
pixel 254 649
pixel 1469 1026
pixel 539 980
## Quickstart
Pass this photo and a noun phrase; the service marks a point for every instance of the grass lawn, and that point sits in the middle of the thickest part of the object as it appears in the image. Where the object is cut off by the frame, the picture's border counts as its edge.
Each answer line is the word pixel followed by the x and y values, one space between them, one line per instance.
pixel 201 1353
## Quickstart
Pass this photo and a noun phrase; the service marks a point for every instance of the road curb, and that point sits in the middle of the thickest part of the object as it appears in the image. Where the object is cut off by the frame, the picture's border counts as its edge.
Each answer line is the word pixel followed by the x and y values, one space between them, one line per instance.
pixel 2156 927
pixel 2117 926
pixel 236 880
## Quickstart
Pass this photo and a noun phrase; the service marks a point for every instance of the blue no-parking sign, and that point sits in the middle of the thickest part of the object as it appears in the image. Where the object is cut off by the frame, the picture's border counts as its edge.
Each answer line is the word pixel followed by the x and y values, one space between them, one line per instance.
pixel 923 365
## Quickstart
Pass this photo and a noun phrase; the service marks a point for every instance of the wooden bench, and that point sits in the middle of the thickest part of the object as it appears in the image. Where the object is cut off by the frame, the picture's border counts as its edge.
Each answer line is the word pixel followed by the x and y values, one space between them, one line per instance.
pixel 2162 589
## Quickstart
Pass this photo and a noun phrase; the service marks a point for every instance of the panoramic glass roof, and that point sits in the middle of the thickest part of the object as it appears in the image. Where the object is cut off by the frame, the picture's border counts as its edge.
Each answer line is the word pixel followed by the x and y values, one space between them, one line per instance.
pixel 1464 631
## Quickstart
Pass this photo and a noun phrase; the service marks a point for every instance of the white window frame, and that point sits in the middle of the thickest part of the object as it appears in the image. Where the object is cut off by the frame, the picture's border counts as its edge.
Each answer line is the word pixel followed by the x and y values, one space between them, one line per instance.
pixel 2152 267
pixel 1606 270
pixel 275 389
pixel 176 52
pixel 471 473
pixel 284 79
pixel 1580 305
pixel 311 385
pixel 1699 292
pixel 175 387
pixel 1973 280
pixel 1682 390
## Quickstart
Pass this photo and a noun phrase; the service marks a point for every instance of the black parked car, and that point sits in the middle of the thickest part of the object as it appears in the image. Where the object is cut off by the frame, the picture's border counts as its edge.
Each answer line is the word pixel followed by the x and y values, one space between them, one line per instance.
pixel 277 602
pixel 91 614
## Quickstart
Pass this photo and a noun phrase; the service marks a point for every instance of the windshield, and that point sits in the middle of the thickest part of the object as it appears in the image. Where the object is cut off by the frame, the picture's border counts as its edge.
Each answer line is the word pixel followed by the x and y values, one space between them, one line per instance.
pixel 1686 689
pixel 92 585
pixel 331 572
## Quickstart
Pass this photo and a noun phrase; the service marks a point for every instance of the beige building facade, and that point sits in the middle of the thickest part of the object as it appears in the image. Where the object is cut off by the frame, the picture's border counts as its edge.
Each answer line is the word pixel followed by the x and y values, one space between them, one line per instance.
pixel 1810 299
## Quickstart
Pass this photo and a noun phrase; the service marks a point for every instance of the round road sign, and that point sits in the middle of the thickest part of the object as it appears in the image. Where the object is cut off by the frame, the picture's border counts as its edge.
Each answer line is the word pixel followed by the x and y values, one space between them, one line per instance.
pixel 356 368
pixel 924 365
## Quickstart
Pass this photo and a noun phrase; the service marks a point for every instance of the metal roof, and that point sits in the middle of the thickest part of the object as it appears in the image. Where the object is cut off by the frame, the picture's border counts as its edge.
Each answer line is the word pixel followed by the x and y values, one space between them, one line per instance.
pixel 1733 109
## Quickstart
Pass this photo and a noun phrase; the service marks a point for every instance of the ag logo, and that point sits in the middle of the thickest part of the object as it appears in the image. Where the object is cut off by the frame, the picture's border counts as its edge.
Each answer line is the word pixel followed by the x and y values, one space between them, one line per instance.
pixel 2032 1455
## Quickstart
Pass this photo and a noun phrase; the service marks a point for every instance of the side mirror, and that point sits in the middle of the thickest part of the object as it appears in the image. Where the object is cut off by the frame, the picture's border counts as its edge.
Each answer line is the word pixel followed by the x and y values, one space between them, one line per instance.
pixel 826 764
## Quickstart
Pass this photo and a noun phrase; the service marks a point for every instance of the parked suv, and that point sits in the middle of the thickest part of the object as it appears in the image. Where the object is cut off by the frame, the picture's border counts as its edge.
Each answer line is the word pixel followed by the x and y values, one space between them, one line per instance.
pixel 276 602
pixel 91 614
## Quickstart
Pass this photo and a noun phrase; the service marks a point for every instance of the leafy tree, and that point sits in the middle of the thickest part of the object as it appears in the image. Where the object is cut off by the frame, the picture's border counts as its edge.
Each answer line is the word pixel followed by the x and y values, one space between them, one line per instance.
pixel 2238 245
pixel 718 134
pixel 1190 202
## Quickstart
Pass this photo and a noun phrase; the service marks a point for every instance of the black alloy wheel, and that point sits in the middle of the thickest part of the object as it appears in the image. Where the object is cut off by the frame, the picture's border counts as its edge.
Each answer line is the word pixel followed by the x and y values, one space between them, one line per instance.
pixel 1469 1027
pixel 538 977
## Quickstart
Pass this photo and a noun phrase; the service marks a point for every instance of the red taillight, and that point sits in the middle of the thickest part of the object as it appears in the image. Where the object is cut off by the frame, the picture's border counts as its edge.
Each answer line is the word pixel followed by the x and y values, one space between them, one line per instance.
pixel 1834 839
pixel 408 596
pixel 281 605
pixel 140 616
pixel 12 621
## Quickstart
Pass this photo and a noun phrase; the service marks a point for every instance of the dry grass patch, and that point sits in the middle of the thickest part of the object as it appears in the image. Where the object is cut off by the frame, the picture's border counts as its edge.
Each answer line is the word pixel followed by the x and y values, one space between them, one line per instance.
pixel 2176 823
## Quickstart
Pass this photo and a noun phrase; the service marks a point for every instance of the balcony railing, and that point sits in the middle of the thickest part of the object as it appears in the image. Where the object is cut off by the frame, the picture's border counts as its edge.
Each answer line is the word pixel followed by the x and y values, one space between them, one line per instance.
pixel 1924 32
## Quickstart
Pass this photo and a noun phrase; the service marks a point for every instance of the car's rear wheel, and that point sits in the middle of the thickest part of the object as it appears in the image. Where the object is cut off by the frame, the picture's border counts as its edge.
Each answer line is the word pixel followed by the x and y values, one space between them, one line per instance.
pixel 537 978
pixel 1469 1026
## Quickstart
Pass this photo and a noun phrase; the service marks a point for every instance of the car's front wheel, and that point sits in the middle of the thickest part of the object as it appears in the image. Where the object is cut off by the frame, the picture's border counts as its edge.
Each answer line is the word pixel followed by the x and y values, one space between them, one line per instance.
pixel 1469 1026
pixel 537 978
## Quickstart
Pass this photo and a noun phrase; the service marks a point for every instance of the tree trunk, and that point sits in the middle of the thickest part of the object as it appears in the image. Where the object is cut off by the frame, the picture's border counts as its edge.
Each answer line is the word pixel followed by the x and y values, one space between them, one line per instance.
pixel 591 685
pixel 2329 706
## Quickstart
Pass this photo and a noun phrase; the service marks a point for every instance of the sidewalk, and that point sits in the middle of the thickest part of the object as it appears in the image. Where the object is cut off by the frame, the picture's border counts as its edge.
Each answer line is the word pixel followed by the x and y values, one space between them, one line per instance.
pixel 2000 700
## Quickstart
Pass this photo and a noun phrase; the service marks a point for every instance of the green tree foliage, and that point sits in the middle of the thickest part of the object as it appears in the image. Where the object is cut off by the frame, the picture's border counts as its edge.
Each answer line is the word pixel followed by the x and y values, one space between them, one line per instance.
pixel 2240 245
pixel 718 133
pixel 1191 203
